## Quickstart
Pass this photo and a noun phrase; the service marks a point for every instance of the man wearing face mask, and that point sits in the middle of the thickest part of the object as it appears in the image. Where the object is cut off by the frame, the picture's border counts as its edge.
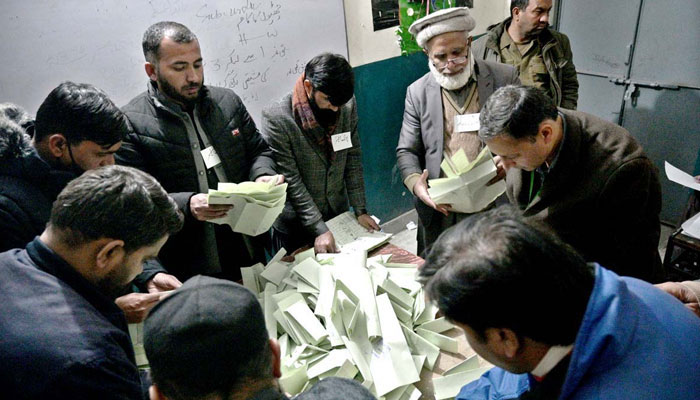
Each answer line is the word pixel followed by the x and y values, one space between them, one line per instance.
pixel 541 55
pixel 312 132
pixel 77 128
pixel 436 106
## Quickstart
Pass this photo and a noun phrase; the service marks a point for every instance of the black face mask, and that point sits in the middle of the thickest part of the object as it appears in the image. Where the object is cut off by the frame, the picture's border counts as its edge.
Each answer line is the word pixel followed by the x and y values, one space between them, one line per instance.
pixel 324 117
pixel 73 167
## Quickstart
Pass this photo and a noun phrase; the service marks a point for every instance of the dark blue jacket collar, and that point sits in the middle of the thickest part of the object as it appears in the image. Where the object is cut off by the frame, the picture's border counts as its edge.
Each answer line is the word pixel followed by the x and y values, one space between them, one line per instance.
pixel 51 263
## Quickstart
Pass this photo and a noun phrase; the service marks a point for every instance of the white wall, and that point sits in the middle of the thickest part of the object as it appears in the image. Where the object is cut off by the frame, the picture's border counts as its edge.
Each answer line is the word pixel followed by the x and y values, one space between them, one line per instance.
pixel 367 46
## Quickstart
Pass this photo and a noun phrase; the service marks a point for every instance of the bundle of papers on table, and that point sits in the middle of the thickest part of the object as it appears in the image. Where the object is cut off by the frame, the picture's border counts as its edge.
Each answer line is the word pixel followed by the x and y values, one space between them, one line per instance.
pixel 256 205
pixel 350 236
pixel 353 317
pixel 464 187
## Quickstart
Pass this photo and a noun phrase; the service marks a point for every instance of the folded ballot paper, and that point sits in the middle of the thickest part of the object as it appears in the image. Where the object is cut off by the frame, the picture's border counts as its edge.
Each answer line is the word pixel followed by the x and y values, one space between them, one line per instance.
pixel 354 317
pixel 464 187
pixel 256 205
pixel 350 236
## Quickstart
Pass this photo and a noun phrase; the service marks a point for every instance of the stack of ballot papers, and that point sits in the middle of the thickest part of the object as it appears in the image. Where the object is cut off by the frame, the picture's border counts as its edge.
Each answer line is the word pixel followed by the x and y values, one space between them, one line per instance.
pixel 256 205
pixel 464 187
pixel 355 317
pixel 350 236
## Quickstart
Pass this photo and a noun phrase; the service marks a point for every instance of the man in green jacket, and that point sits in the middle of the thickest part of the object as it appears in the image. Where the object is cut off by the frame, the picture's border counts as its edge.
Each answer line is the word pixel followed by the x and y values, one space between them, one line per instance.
pixel 541 55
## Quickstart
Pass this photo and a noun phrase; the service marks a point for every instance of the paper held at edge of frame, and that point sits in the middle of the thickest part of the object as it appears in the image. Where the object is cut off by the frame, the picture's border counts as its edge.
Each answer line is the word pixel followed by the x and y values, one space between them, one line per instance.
pixel 464 187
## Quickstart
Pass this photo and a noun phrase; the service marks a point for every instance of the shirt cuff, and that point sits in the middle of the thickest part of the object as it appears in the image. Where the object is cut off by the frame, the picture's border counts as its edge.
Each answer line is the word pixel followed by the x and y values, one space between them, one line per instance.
pixel 318 228
pixel 411 180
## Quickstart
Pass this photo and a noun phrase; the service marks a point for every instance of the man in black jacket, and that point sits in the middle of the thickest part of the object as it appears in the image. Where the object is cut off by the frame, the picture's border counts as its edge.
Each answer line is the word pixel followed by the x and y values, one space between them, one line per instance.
pixel 62 335
pixel 77 128
pixel 191 137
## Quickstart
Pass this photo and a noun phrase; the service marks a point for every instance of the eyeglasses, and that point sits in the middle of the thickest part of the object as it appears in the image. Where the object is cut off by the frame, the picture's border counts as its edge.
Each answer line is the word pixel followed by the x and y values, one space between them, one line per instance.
pixel 442 65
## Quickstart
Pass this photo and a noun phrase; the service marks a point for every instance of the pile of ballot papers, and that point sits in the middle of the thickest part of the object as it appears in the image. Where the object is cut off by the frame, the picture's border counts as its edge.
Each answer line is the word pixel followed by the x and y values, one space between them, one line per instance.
pixel 256 205
pixel 355 317
pixel 464 186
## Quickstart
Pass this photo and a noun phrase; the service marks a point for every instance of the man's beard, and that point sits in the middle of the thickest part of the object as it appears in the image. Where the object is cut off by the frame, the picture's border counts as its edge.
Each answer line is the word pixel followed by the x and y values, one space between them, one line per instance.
pixel 116 283
pixel 535 32
pixel 452 82
pixel 111 288
pixel 325 117
pixel 171 92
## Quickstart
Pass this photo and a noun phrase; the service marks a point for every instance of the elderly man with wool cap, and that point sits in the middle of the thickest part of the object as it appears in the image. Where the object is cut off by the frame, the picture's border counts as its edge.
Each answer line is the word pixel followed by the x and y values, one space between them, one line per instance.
pixel 438 109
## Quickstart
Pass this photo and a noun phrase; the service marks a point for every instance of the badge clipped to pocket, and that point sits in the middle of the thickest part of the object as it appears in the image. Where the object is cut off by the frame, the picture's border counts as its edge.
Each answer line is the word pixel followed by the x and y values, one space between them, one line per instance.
pixel 341 141
pixel 467 122
pixel 210 157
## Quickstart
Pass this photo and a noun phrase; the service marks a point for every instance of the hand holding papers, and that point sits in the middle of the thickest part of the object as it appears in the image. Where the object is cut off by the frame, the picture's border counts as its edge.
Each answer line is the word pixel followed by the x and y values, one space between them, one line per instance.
pixel 420 190
pixel 350 236
pixel 465 187
pixel 256 205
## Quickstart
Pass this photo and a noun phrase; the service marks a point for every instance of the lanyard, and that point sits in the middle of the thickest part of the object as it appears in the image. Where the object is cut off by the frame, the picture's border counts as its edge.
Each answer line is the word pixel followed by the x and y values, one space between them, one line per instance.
pixel 532 184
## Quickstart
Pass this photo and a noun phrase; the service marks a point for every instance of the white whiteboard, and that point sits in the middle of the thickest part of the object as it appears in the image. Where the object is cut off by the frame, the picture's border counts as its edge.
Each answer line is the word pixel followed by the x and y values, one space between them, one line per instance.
pixel 258 48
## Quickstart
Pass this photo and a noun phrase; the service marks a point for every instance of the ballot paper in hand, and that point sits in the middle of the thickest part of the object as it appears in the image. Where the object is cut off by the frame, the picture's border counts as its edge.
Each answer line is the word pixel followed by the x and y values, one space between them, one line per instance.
pixel 350 236
pixel 681 177
pixel 464 187
pixel 256 205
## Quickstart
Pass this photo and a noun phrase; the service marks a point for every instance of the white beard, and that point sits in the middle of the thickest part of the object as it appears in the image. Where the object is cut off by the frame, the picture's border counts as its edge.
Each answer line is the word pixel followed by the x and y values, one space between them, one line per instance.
pixel 452 82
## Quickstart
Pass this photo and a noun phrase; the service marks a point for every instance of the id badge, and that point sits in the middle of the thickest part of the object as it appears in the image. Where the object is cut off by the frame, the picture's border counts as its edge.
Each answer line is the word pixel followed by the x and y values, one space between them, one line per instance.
pixel 341 141
pixel 210 157
pixel 467 122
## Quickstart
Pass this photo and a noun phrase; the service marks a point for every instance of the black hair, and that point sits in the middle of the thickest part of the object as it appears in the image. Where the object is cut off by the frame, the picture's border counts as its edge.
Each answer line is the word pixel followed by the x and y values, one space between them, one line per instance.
pixel 521 4
pixel 115 202
pixel 332 75
pixel 516 111
pixel 499 269
pixel 80 111
pixel 155 33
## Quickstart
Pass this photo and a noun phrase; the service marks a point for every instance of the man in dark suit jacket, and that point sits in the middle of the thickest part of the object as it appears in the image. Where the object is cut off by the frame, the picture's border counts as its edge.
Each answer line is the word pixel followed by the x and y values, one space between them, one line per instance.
pixel 455 87
pixel 313 135
pixel 589 179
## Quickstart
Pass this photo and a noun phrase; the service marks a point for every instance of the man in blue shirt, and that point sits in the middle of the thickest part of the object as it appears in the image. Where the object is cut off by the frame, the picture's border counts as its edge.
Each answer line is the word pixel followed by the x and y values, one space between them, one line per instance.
pixel 554 325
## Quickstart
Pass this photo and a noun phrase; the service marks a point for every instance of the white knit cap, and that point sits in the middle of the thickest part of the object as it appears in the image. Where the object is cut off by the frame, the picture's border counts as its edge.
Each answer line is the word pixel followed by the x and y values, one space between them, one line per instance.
pixel 448 20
